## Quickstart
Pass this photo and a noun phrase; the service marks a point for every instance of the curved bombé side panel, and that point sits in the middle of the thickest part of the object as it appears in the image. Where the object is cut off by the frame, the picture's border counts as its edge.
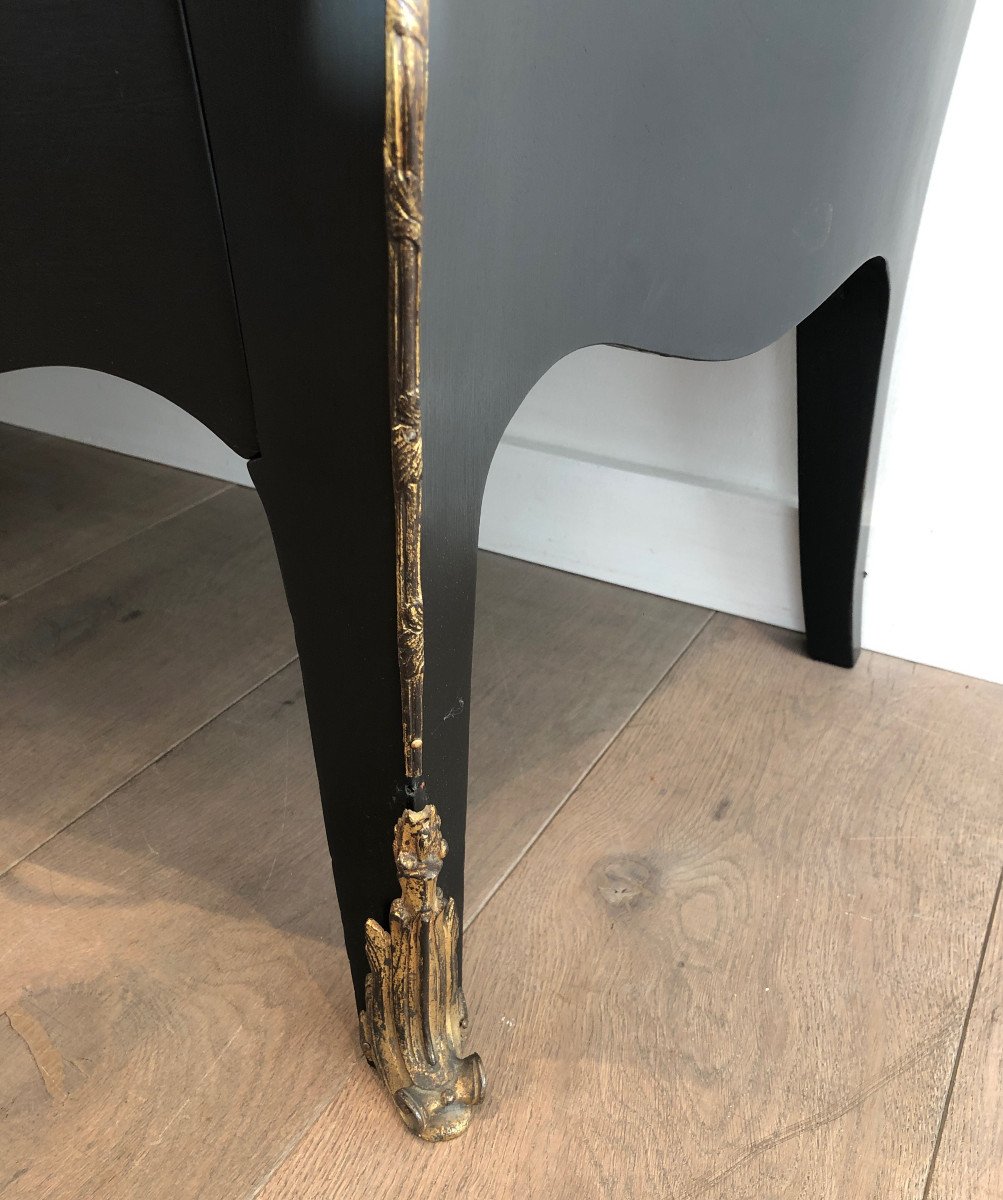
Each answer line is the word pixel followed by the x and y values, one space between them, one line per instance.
pixel 678 178
pixel 668 177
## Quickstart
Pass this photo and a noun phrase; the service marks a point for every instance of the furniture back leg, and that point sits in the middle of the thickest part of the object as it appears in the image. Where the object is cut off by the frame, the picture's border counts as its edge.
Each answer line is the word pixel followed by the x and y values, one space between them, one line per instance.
pixel 839 356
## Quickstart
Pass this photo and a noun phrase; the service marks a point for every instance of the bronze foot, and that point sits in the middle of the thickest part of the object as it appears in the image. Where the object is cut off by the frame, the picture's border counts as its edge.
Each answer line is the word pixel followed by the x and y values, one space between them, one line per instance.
pixel 415 1018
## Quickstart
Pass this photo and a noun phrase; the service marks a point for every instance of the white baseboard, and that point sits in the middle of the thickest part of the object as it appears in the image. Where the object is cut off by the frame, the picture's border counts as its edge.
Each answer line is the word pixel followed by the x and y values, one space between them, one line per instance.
pixel 651 529
pixel 673 535
pixel 933 592
pixel 101 410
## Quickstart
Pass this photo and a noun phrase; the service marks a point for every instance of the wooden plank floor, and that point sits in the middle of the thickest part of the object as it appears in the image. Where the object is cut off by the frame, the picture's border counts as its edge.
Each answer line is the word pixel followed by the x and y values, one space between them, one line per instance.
pixel 116 660
pixel 970 1155
pixel 732 938
pixel 746 948
pixel 61 503
pixel 194 905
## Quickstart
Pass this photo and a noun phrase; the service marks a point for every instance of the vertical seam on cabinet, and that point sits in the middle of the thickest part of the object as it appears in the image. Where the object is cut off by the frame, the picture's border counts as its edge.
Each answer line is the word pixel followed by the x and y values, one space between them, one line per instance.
pixel 207 142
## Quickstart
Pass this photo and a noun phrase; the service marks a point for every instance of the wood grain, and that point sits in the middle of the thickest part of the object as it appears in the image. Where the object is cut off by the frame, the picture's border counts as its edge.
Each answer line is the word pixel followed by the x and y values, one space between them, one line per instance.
pixel 737 962
pixel 969 1161
pixel 560 665
pixel 179 945
pixel 62 503
pixel 109 665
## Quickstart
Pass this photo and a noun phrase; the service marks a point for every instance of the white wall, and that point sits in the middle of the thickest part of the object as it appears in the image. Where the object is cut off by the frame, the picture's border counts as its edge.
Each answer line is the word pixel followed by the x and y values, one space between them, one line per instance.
pixel 101 410
pixel 686 473
pixel 682 480
pixel 934 588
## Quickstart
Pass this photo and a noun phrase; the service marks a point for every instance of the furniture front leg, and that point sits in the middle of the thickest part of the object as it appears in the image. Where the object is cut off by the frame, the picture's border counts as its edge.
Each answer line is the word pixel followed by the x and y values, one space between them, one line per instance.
pixel 360 629
pixel 415 1015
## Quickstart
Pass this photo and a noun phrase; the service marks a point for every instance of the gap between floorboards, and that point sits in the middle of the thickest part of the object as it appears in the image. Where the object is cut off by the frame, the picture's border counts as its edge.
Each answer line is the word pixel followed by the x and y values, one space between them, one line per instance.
pixel 146 766
pixel 115 545
pixel 471 917
pixel 945 1112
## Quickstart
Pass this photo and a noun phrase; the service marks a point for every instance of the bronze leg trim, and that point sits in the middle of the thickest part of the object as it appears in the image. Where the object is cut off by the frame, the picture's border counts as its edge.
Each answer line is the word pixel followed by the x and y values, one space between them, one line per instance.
pixel 403 160
pixel 415 1017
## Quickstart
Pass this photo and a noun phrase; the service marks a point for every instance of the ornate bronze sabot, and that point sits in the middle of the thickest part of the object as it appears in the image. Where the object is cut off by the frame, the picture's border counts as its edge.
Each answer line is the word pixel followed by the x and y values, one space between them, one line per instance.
pixel 403 163
pixel 415 1016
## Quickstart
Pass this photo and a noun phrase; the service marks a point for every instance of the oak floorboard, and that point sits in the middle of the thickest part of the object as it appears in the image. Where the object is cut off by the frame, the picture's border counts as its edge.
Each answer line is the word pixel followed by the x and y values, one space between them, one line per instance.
pixel 173 958
pixel 969 1162
pixel 107 666
pixel 176 945
pixel 61 503
pixel 560 664
pixel 737 962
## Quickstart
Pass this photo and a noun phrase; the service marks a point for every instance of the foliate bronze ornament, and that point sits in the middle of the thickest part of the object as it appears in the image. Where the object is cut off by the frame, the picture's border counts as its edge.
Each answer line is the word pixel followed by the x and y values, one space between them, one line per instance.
pixel 415 1017
pixel 403 164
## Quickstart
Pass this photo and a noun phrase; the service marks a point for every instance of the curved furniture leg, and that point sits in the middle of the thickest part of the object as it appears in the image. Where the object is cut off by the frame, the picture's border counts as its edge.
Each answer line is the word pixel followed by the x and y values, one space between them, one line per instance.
pixel 839 356
pixel 331 517
pixel 332 520
pixel 360 629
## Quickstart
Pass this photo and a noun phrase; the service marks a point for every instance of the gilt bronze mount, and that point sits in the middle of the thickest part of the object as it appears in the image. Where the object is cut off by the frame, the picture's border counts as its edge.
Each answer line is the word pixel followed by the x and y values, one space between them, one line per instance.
pixel 403 172
pixel 415 1017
